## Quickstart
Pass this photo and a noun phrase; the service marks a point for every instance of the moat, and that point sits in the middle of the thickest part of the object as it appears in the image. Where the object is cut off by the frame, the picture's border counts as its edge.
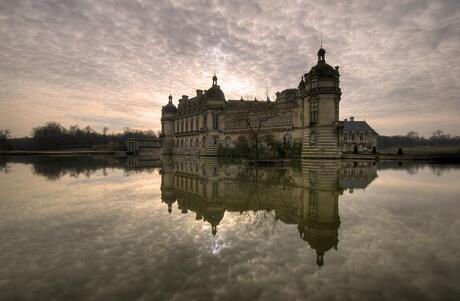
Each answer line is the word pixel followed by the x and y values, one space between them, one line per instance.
pixel 183 228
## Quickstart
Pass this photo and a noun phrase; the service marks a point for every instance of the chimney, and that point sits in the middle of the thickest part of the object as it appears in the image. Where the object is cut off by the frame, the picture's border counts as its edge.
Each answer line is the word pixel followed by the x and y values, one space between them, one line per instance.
pixel 352 118
pixel 199 92
pixel 337 68
pixel 345 120
pixel 184 97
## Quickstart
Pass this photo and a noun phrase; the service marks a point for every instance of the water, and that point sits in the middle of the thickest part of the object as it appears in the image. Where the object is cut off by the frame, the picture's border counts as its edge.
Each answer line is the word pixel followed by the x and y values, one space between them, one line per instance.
pixel 81 228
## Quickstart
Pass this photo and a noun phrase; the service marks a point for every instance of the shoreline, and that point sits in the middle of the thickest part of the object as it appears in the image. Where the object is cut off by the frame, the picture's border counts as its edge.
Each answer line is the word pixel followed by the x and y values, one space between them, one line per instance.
pixel 431 157
pixel 61 153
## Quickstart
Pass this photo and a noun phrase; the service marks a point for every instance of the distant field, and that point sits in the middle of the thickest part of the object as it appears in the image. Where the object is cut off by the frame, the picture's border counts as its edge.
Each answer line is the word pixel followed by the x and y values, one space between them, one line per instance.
pixel 450 149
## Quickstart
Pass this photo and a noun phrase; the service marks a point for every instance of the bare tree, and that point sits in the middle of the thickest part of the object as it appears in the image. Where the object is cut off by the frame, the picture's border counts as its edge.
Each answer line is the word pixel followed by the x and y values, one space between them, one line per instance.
pixel 255 116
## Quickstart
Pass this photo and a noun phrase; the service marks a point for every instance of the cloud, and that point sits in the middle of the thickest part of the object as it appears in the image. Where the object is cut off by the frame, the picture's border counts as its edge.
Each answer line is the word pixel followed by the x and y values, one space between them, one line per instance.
pixel 64 59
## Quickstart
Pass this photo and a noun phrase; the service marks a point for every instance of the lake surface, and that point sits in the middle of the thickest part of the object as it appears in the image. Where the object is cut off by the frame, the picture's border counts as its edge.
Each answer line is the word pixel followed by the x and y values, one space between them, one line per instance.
pixel 82 228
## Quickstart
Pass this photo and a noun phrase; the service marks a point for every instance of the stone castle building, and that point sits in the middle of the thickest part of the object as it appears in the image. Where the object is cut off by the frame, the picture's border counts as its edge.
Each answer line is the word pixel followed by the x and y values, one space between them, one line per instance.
pixel 308 114
pixel 307 197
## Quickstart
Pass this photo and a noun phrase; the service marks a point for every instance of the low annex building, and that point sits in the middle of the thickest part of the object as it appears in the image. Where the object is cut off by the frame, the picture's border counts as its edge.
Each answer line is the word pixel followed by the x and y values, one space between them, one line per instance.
pixel 358 134
pixel 308 114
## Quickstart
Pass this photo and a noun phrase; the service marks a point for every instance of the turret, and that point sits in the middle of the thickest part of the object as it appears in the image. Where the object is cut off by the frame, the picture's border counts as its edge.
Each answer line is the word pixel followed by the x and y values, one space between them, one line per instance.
pixel 168 115
pixel 320 91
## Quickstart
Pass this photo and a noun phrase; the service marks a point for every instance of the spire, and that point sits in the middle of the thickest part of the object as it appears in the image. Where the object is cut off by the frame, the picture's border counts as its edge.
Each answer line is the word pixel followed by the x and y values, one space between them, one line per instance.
pixel 321 36
pixel 170 98
pixel 214 80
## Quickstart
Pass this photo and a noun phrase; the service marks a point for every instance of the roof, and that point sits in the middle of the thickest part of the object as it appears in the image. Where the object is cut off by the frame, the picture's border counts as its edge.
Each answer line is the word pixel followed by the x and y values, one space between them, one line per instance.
pixel 215 93
pixel 357 126
pixel 169 108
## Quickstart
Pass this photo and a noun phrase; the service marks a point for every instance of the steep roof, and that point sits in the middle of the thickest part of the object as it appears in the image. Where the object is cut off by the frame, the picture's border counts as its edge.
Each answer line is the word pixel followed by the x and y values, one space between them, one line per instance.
pixel 357 126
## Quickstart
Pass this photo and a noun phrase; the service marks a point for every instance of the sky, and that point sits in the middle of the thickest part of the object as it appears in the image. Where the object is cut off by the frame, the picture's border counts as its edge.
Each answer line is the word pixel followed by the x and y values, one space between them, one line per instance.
pixel 114 63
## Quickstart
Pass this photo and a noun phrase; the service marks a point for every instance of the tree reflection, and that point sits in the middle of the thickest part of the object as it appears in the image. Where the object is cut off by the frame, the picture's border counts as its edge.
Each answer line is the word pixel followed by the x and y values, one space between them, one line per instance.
pixel 264 196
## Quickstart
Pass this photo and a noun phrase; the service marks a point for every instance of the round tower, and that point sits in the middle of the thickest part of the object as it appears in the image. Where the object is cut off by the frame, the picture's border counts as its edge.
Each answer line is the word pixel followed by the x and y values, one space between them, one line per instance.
pixel 215 100
pixel 320 91
pixel 168 115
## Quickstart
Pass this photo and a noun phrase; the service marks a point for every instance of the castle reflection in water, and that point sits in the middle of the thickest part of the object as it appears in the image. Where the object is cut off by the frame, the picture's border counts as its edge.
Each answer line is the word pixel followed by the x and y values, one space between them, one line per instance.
pixel 305 195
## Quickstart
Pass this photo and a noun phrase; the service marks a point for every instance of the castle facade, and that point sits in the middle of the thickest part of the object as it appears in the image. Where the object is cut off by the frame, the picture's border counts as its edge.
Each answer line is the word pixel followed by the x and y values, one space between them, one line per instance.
pixel 308 114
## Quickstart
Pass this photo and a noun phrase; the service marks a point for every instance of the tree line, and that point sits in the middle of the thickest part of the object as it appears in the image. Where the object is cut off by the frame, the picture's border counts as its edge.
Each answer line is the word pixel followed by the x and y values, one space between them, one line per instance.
pixel 437 138
pixel 53 136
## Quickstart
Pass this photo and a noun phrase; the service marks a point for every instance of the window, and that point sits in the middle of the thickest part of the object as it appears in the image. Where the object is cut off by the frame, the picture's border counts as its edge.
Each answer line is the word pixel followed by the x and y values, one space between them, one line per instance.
pixel 204 141
pixel 314 83
pixel 287 138
pixel 215 140
pixel 313 138
pixel 196 142
pixel 314 111
pixel 205 120
pixel 215 121
pixel 227 141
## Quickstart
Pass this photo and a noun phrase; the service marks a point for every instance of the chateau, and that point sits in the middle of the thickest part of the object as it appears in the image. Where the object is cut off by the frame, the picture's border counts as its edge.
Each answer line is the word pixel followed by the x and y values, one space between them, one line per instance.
pixel 308 115
pixel 308 198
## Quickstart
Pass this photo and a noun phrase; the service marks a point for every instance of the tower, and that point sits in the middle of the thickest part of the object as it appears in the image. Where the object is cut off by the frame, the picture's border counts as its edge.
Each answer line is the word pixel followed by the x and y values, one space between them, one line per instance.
pixel 215 100
pixel 320 92
pixel 319 219
pixel 168 114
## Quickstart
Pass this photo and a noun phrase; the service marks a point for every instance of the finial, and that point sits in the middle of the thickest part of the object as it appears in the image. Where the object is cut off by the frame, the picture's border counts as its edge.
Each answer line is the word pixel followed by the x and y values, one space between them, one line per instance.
pixel 170 97
pixel 214 80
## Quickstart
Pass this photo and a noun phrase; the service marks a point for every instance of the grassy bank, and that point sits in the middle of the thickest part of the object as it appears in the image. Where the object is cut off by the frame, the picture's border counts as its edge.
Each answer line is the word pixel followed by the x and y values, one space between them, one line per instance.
pixel 424 149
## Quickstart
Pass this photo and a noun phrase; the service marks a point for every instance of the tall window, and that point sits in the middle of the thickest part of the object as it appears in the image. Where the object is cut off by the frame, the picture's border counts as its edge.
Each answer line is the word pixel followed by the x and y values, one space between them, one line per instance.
pixel 215 121
pixel 314 111
pixel 205 120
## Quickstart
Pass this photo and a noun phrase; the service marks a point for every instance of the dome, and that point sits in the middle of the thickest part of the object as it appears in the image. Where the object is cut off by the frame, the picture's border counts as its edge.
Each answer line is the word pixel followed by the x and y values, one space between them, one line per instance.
pixel 215 93
pixel 323 70
pixel 170 108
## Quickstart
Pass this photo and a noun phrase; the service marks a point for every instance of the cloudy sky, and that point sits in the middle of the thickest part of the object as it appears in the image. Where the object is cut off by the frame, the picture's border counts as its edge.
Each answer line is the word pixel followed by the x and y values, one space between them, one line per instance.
pixel 113 63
